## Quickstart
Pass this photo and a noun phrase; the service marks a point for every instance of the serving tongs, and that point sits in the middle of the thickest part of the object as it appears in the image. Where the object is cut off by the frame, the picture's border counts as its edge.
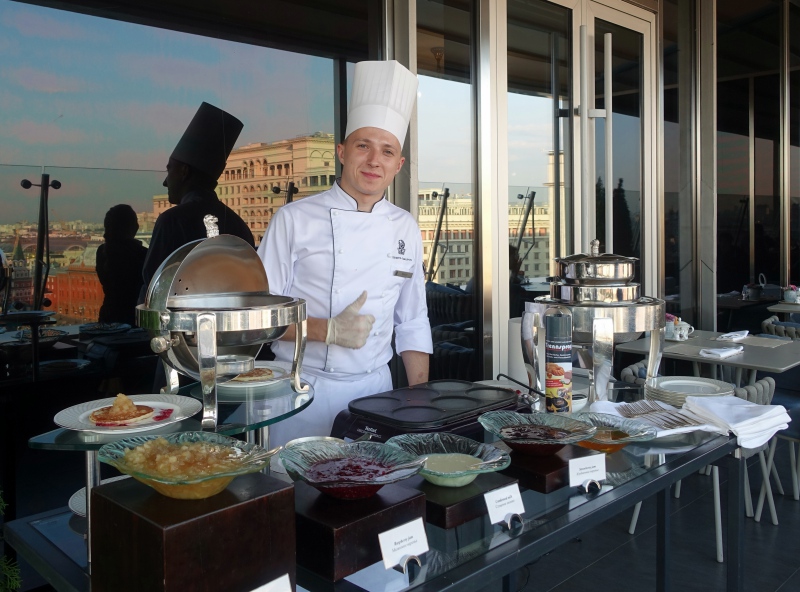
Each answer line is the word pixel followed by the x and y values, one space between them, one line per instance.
pixel 524 397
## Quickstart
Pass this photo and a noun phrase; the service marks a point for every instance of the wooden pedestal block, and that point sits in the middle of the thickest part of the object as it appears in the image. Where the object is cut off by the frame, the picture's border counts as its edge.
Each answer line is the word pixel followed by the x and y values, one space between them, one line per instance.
pixel 336 538
pixel 236 540
pixel 448 507
pixel 544 473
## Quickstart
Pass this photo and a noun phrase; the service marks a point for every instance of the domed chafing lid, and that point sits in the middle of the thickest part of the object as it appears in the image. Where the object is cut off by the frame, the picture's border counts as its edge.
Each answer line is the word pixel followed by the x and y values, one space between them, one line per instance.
pixel 223 264
pixel 595 257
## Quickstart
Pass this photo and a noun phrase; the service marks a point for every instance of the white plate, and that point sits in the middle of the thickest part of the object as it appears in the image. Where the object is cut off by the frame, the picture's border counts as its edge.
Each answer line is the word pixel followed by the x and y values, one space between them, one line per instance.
pixel 77 417
pixel 280 371
pixel 787 302
pixel 689 385
pixel 77 503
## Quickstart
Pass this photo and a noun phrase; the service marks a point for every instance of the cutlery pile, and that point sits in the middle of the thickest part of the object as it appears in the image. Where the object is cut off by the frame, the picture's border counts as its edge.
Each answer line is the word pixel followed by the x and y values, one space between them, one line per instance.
pixel 659 416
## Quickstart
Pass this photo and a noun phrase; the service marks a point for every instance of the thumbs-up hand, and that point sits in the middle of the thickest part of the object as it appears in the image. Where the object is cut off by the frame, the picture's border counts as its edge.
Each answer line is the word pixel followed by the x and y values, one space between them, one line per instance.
pixel 350 328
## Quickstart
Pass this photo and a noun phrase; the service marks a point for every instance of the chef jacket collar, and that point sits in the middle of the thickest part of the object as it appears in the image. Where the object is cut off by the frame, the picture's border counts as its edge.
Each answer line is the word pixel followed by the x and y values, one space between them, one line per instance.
pixel 345 201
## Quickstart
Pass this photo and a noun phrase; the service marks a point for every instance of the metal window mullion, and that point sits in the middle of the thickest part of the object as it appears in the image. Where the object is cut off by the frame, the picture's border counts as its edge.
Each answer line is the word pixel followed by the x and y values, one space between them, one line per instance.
pixel 485 157
pixel 751 198
pixel 785 148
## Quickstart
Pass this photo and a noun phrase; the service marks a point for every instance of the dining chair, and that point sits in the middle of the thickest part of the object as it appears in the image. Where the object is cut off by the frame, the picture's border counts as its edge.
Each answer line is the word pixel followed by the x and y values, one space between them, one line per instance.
pixel 760 393
pixel 792 435
pixel 774 326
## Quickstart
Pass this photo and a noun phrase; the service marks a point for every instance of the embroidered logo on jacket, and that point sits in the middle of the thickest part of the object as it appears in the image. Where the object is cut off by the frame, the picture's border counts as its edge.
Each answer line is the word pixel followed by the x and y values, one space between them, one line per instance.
pixel 401 247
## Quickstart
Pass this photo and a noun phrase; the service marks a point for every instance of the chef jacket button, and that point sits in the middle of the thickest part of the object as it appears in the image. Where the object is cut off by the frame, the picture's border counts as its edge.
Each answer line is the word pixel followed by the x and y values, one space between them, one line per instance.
pixel 341 251
pixel 368 371
pixel 335 213
pixel 336 291
pixel 388 254
pixel 330 369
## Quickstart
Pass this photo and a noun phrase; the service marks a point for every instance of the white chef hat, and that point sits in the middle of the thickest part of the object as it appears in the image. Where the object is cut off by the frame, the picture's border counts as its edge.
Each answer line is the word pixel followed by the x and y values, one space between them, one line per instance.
pixel 383 96
pixel 208 140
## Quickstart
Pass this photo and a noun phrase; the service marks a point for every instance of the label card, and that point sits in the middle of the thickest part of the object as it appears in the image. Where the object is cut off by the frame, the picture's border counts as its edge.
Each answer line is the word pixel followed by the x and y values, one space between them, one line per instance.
pixel 502 502
pixel 282 584
pixel 585 468
pixel 408 539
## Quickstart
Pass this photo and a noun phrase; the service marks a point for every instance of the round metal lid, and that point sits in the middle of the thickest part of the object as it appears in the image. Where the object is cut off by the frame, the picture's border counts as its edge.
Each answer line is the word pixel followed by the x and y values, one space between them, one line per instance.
pixel 222 264
pixel 595 257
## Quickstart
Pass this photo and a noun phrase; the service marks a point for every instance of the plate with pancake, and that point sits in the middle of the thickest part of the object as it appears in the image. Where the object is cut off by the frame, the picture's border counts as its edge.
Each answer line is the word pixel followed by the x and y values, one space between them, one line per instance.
pixel 126 415
pixel 264 373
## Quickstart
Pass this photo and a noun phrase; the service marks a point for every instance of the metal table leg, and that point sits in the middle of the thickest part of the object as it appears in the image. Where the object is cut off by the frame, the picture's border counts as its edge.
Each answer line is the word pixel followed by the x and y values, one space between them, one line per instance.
pixel 735 521
pixel 663 535
pixel 92 479
pixel 262 437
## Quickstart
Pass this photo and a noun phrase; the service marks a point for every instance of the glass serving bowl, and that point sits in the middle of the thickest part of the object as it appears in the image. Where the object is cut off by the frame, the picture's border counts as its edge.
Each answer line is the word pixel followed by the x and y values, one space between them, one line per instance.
pixel 451 460
pixel 196 480
pixel 613 432
pixel 353 470
pixel 536 444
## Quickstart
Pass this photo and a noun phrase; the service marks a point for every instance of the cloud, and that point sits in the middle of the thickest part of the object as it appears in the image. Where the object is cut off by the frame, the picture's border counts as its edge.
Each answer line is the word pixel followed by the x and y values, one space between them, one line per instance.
pixel 30 132
pixel 37 23
pixel 169 72
pixel 47 82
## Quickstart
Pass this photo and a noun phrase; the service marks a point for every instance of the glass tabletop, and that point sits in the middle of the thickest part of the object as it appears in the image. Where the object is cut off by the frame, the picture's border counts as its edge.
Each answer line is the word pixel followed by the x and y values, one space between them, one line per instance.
pixel 631 471
pixel 252 409
pixel 463 553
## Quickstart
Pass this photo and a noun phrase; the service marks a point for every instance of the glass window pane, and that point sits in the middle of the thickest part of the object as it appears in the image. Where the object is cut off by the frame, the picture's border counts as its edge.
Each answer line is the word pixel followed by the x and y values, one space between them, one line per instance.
pixel 539 104
pixel 626 185
pixel 446 192
pixel 100 104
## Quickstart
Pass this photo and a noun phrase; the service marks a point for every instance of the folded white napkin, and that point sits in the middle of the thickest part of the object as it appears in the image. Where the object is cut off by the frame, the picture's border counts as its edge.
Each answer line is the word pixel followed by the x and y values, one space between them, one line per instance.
pixel 721 353
pixel 611 409
pixel 753 424
pixel 733 336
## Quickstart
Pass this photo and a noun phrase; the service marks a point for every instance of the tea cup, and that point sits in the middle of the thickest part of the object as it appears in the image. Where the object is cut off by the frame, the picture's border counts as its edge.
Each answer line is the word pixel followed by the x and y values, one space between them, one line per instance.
pixel 683 330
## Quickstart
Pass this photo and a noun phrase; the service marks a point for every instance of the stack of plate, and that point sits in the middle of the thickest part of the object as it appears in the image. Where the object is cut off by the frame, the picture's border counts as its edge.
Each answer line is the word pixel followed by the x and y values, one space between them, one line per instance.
pixel 673 390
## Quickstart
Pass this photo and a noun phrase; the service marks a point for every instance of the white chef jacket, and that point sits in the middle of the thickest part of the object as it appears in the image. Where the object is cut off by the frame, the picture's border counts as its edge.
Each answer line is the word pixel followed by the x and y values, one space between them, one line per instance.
pixel 323 250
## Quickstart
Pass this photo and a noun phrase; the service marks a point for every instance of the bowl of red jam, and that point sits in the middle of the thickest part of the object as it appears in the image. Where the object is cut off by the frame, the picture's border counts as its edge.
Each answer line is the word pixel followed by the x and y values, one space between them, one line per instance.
pixel 354 470
pixel 537 434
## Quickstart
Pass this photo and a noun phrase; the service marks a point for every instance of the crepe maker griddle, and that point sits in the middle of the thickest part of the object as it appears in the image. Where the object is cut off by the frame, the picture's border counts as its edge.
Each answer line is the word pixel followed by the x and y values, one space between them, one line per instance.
pixel 436 406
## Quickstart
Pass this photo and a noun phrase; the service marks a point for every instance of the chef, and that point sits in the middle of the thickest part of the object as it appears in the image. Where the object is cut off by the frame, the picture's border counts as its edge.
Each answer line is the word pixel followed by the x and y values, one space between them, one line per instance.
pixel 356 260
pixel 192 172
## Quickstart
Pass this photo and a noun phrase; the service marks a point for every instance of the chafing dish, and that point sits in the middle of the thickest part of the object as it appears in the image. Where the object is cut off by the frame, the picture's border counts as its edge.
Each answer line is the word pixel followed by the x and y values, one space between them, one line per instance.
pixel 208 311
pixel 606 308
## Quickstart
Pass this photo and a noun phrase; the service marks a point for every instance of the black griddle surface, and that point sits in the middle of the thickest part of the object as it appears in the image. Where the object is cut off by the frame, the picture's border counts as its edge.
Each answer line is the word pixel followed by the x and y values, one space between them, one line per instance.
pixel 433 404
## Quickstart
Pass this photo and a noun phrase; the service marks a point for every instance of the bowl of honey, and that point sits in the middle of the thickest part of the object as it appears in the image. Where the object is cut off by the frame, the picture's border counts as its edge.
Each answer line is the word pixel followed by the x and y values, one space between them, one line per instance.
pixel 613 432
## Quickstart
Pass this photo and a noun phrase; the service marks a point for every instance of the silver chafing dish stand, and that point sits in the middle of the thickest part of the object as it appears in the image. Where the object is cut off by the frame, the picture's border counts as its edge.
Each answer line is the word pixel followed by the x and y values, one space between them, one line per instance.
pixel 606 309
pixel 208 311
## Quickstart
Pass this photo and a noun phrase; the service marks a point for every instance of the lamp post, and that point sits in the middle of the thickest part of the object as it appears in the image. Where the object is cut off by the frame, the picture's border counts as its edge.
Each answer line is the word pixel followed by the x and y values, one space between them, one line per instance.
pixel 42 238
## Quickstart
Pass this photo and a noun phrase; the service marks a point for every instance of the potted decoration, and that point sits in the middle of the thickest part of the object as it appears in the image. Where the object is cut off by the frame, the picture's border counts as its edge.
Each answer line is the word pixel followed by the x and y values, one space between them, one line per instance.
pixel 9 569
pixel 790 293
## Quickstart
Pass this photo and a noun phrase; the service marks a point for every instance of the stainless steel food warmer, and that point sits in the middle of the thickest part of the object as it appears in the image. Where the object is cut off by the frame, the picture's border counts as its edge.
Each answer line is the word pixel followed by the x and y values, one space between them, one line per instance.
pixel 606 308
pixel 208 311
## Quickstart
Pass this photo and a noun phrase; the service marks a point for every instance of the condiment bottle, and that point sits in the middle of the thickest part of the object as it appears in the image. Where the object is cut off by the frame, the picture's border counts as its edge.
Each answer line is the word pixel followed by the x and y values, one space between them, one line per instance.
pixel 558 359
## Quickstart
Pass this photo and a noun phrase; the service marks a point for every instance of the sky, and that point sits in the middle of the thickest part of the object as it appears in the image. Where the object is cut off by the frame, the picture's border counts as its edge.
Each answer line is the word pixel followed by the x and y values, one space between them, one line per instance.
pixel 111 99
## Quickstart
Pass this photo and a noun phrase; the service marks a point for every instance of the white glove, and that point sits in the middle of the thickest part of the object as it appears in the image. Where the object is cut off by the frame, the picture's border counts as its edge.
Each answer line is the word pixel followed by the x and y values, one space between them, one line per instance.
pixel 348 328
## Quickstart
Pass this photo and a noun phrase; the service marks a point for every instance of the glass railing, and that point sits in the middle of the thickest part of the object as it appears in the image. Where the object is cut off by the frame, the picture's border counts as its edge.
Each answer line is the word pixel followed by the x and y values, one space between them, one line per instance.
pixel 74 218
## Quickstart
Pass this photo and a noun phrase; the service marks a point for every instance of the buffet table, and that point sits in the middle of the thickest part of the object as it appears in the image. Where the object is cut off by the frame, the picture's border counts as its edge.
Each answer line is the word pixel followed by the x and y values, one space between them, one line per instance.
pixel 247 414
pixel 475 554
